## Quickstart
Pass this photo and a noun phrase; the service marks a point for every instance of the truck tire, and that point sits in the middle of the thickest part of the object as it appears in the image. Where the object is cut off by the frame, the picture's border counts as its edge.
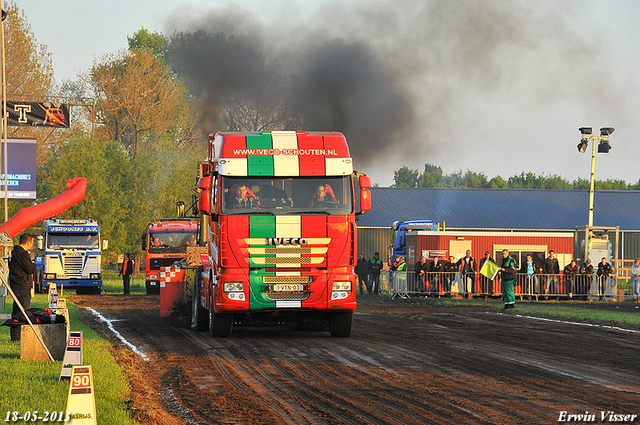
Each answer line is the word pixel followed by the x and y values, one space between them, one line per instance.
pixel 220 324
pixel 199 314
pixel 340 324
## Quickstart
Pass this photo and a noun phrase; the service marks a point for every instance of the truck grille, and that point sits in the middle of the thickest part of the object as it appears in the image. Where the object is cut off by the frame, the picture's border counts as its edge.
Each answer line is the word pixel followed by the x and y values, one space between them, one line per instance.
pixel 313 253
pixel 284 296
pixel 73 264
pixel 287 279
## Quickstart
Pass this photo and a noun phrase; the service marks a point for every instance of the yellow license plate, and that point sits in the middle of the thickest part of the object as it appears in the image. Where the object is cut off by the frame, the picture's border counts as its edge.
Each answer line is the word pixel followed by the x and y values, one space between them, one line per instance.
pixel 288 287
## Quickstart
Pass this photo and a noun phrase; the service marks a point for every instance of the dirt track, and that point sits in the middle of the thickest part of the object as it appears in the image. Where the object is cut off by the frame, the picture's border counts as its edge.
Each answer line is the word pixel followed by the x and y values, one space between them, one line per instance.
pixel 405 363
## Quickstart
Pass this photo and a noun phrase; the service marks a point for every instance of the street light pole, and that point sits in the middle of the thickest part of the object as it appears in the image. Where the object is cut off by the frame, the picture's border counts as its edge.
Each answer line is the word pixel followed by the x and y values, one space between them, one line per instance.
pixel 592 183
pixel 603 147
pixel 4 116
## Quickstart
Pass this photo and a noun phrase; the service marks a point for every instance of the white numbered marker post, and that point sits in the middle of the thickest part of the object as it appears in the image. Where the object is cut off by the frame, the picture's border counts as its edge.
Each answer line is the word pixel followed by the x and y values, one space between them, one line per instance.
pixel 81 404
pixel 72 355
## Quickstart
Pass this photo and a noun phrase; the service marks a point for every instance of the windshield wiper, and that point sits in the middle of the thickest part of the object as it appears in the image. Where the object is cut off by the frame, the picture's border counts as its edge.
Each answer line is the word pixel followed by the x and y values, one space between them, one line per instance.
pixel 253 212
pixel 311 212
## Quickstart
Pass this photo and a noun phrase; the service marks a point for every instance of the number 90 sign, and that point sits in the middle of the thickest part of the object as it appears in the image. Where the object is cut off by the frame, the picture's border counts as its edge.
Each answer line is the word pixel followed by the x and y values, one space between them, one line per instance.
pixel 81 381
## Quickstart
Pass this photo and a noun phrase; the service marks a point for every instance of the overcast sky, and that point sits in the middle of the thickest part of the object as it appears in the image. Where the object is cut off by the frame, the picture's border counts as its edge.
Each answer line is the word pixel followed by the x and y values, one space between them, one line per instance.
pixel 498 87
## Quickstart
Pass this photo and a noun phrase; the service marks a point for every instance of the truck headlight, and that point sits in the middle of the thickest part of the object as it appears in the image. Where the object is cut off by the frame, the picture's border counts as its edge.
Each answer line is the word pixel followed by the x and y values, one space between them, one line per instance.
pixel 233 287
pixel 49 275
pixel 94 275
pixel 341 290
pixel 342 286
pixel 234 290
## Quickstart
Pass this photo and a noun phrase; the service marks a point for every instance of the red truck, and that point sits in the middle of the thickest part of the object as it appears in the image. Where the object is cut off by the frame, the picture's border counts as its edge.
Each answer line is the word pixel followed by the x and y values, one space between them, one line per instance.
pixel 280 215
pixel 166 242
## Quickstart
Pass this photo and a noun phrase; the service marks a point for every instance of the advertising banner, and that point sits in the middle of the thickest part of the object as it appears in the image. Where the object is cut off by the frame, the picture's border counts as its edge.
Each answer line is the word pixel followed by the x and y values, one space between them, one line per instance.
pixel 41 114
pixel 21 173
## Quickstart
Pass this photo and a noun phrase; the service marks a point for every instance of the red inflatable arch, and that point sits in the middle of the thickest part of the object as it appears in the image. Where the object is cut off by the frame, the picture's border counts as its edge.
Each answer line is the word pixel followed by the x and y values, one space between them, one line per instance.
pixel 24 218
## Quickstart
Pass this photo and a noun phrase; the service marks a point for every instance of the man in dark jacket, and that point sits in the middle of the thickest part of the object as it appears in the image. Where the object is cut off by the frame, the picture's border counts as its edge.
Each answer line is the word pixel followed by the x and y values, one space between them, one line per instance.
pixel 604 270
pixel 450 269
pixel 570 272
pixel 21 269
pixel 586 270
pixel 435 273
pixel 361 271
pixel 421 269
pixel 468 269
pixel 552 270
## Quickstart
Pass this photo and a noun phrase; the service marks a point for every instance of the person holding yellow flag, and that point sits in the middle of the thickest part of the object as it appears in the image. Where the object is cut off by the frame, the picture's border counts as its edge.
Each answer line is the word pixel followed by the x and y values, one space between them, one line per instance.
pixel 508 270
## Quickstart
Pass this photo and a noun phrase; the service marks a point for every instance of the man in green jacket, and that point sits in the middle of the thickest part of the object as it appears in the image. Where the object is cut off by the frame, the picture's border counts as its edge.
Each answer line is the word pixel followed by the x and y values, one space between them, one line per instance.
pixel 509 274
pixel 375 265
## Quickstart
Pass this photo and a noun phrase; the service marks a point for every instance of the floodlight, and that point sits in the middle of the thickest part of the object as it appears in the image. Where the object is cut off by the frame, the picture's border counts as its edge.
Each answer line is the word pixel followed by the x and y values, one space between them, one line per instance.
pixel 582 146
pixel 604 146
pixel 585 130
pixel 606 131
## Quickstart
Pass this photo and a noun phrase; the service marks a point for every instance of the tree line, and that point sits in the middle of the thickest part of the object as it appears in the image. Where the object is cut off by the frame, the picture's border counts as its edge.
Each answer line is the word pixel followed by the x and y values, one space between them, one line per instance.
pixel 433 177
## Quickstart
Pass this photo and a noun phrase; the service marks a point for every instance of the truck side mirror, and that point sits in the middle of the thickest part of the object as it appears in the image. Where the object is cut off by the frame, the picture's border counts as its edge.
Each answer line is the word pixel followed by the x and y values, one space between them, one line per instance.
pixel 204 197
pixel 40 242
pixel 365 200
pixel 180 208
pixel 364 182
pixel 365 194
pixel 105 244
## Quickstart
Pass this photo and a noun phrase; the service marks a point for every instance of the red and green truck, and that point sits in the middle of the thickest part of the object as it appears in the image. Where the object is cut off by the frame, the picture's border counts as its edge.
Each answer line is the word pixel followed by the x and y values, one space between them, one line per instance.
pixel 279 218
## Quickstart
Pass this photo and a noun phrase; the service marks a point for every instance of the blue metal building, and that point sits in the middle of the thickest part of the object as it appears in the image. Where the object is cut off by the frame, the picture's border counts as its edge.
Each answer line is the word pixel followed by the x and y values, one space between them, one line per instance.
pixel 508 209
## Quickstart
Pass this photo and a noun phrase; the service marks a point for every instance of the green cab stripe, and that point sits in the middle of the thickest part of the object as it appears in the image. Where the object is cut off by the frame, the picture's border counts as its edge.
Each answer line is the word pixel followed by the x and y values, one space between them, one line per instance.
pixel 259 141
pixel 258 165
pixel 257 299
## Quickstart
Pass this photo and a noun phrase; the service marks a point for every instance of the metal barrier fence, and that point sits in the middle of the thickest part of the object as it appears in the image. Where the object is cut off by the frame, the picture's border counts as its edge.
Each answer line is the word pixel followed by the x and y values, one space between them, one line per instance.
pixel 471 285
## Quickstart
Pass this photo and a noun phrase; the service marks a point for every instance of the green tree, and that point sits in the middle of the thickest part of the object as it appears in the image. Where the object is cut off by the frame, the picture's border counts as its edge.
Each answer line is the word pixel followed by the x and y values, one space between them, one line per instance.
pixel 609 184
pixel 556 182
pixel 151 42
pixel 104 165
pixel 581 183
pixel 498 183
pixel 431 176
pixel 526 181
pixel 405 177
pixel 473 180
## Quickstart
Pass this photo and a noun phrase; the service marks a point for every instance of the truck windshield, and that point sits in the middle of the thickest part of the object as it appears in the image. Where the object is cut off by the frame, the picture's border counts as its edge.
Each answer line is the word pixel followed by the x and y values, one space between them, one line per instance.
pixel 171 241
pixel 75 240
pixel 287 195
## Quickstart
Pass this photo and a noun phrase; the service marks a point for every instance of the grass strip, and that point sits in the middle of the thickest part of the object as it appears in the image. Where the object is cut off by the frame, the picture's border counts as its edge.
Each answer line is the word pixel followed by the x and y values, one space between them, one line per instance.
pixel 29 385
pixel 603 313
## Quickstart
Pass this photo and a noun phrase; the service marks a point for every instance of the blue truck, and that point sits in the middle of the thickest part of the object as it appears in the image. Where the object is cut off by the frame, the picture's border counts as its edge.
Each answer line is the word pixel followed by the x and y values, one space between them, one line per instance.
pixel 72 255
pixel 399 235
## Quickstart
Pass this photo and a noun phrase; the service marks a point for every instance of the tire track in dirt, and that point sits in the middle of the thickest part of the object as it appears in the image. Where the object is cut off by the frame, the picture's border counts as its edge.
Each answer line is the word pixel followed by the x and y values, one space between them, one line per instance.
pixel 404 363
